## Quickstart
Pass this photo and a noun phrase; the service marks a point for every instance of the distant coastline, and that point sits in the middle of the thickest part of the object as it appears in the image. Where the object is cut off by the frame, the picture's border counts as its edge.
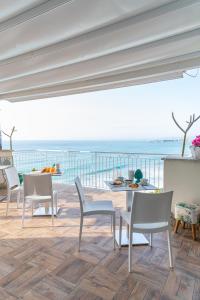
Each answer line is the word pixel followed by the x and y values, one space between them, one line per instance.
pixel 166 140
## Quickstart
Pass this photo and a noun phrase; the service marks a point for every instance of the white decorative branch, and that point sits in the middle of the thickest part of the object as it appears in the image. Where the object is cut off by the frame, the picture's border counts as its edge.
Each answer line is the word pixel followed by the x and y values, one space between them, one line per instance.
pixel 10 136
pixel 191 121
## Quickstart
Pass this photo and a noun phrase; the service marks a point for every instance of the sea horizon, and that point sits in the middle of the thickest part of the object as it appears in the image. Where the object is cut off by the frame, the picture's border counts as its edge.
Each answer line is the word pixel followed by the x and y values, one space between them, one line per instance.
pixel 157 146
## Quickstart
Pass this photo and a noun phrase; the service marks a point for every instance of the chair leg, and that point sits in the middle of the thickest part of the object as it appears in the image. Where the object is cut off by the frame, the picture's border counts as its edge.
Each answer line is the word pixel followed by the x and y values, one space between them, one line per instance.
pixel 56 204
pixel 8 202
pixel 127 231
pixel 32 208
pixel 169 248
pixel 194 231
pixel 52 212
pixel 80 233
pixel 150 239
pixel 176 226
pixel 120 232
pixel 130 250
pixel 18 198
pixel 56 201
pixel 113 220
pixel 23 212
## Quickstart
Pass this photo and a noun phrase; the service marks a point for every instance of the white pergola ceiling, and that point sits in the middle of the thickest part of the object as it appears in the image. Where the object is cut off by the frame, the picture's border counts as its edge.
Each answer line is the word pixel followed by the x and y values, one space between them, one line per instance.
pixel 60 47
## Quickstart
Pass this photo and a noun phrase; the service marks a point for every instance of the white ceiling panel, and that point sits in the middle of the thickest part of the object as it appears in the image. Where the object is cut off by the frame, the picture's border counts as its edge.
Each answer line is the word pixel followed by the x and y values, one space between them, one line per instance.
pixel 11 8
pixel 72 43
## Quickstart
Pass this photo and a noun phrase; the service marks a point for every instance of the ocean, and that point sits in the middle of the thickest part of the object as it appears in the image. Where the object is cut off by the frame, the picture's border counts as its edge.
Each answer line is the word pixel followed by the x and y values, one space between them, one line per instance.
pixel 163 146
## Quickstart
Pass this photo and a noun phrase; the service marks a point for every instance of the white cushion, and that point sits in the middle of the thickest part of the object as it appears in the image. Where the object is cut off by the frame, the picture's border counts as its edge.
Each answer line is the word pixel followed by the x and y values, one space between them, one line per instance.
pixel 126 215
pixel 101 205
pixel 38 198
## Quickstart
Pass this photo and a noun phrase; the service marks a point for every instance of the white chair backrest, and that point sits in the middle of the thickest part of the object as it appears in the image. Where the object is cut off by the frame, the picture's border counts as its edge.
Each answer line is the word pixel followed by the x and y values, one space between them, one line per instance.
pixel 80 192
pixel 40 184
pixel 151 208
pixel 12 177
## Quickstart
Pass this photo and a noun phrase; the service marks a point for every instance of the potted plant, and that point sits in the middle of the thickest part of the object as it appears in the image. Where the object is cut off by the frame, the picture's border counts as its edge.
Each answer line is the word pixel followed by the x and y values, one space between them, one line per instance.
pixel 195 147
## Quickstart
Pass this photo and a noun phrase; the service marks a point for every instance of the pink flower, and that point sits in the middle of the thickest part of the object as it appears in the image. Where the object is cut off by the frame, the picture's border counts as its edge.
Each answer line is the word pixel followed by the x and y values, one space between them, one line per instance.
pixel 196 141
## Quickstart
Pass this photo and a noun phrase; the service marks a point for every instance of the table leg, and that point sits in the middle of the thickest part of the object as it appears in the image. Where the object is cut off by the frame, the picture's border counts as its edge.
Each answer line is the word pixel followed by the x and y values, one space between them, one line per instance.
pixel 138 238
pixel 45 210
pixel 129 197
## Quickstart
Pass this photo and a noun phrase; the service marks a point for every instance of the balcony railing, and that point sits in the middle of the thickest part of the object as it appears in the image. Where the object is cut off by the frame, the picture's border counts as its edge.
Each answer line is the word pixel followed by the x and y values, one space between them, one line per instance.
pixel 92 167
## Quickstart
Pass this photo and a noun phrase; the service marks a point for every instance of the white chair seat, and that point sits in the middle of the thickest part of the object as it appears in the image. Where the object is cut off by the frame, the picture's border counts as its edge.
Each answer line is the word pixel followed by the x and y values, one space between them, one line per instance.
pixel 101 206
pixel 37 198
pixel 150 226
pixel 16 188
pixel 40 198
pixel 126 215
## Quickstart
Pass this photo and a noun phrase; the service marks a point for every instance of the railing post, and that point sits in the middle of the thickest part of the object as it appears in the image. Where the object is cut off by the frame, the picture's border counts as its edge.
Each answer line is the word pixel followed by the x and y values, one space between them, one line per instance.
pixel 95 168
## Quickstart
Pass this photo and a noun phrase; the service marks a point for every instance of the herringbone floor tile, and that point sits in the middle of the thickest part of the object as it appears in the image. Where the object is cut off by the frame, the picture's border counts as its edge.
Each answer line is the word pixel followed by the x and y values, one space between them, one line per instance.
pixel 42 263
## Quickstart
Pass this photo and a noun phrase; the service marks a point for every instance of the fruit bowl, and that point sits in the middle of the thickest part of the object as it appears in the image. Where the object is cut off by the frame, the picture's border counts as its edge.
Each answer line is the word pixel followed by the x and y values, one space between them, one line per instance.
pixel 51 170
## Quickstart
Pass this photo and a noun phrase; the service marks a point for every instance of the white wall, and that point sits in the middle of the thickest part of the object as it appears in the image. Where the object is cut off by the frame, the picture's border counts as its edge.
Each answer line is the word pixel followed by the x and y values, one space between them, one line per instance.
pixel 183 177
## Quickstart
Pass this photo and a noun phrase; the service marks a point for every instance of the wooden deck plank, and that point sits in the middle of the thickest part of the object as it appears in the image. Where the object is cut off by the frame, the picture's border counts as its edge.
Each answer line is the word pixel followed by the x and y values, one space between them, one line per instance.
pixel 43 262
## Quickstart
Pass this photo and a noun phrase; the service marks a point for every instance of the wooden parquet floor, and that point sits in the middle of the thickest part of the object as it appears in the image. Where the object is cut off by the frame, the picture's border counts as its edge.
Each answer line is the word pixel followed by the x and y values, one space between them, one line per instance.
pixel 42 263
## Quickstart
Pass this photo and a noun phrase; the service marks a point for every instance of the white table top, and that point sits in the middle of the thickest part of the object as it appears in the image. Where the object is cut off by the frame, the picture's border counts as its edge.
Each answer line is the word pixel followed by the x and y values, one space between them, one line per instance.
pixel 125 188
pixel 42 173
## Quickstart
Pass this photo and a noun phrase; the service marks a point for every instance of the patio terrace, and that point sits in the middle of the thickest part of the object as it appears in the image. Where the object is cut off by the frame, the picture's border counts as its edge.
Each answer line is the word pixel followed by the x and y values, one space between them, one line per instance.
pixel 43 262
pixel 92 47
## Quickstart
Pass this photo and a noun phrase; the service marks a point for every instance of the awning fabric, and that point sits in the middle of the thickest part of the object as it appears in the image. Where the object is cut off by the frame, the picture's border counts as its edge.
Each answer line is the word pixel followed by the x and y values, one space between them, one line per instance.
pixel 61 47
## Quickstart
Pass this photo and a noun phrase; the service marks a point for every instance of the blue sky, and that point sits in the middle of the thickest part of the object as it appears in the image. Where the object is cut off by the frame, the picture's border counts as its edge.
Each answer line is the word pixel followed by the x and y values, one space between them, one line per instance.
pixel 138 112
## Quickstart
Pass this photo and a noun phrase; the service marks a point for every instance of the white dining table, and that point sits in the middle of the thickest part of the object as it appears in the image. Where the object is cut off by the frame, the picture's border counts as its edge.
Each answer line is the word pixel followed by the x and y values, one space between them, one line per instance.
pixel 138 238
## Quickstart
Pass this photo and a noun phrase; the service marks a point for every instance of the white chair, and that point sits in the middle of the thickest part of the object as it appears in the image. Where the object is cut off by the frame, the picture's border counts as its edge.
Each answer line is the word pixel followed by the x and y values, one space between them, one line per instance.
pixel 88 208
pixel 13 185
pixel 38 189
pixel 150 213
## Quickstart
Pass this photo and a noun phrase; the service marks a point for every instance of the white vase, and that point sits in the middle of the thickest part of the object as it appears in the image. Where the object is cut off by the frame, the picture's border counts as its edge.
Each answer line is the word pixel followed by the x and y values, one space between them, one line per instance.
pixel 195 152
pixel 131 174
